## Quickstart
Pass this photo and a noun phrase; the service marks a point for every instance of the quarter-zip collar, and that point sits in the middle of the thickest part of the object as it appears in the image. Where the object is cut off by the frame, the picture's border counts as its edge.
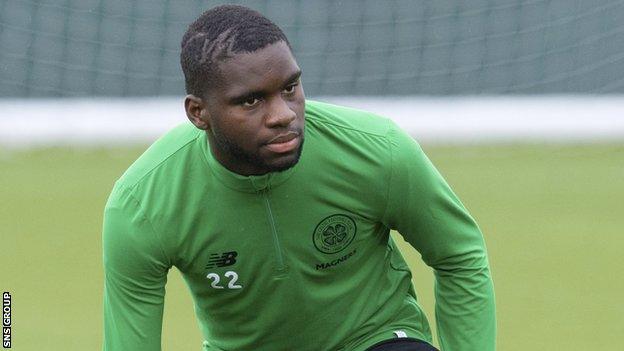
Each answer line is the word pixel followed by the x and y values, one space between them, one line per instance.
pixel 249 184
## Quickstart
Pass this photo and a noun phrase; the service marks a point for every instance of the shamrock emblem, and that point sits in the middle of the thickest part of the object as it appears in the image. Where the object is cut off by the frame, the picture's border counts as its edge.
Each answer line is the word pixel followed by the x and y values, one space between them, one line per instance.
pixel 334 234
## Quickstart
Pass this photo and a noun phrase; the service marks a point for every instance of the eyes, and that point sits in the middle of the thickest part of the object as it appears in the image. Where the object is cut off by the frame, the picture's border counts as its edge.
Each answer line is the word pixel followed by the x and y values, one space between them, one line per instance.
pixel 253 101
pixel 290 89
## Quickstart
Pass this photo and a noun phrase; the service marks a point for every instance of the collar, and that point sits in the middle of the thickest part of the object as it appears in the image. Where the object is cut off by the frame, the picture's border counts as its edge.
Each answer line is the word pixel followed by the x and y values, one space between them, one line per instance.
pixel 248 184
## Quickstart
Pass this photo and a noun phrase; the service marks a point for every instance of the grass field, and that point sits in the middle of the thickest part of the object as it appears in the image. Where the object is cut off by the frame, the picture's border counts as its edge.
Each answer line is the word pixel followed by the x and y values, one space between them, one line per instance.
pixel 553 218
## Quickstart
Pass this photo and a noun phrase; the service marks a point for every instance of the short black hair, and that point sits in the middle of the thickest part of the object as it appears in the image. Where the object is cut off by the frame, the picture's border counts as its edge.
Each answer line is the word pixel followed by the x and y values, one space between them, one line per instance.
pixel 218 34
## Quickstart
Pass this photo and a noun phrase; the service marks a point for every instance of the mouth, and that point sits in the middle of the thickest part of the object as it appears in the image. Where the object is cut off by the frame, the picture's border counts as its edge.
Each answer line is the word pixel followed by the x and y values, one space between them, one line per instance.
pixel 284 143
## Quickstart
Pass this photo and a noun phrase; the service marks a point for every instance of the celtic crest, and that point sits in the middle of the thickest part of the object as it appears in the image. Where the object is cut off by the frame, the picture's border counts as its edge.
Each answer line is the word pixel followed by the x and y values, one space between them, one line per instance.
pixel 334 233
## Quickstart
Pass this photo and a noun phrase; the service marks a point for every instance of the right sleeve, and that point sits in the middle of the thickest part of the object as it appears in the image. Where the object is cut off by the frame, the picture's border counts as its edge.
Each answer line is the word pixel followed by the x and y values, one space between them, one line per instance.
pixel 428 214
pixel 135 274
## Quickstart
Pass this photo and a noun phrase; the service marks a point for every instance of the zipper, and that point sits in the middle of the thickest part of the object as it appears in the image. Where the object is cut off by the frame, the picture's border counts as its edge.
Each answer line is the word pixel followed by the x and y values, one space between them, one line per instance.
pixel 276 242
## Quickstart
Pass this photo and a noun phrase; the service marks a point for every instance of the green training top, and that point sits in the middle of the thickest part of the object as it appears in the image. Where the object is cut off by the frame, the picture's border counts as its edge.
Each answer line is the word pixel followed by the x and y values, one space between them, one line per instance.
pixel 296 260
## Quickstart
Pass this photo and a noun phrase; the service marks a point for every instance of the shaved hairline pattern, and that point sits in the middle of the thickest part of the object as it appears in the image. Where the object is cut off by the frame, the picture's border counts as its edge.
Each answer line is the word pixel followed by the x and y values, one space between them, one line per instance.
pixel 219 34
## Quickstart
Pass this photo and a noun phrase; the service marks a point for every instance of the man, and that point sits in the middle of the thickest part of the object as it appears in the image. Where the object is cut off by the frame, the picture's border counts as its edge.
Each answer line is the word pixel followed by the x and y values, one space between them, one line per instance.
pixel 286 246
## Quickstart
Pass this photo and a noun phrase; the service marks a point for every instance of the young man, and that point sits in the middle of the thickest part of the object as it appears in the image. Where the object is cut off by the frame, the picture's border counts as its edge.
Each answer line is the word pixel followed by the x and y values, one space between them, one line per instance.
pixel 286 246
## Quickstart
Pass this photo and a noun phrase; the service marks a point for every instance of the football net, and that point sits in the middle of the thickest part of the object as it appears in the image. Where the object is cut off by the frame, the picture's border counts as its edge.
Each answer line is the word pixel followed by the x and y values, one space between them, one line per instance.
pixel 53 48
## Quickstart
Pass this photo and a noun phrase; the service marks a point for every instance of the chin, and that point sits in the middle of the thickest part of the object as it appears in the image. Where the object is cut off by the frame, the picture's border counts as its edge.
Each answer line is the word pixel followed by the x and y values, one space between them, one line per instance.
pixel 283 163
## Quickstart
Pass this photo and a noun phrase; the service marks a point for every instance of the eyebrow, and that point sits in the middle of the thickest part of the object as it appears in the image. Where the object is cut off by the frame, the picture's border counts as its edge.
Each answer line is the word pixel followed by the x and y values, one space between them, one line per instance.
pixel 244 96
pixel 293 77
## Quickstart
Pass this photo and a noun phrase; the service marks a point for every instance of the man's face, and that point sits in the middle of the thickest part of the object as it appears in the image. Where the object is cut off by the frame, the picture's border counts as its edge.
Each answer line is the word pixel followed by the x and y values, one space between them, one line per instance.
pixel 255 114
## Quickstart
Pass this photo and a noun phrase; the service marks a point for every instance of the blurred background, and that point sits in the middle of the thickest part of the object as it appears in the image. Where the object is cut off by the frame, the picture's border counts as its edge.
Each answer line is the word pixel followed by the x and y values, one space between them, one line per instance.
pixel 519 104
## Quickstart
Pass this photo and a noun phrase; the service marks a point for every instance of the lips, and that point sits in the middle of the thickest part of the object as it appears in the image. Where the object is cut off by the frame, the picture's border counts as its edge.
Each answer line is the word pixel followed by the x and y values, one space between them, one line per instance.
pixel 284 143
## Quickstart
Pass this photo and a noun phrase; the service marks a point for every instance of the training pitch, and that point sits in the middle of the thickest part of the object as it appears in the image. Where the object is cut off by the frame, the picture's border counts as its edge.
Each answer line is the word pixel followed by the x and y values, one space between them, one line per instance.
pixel 552 215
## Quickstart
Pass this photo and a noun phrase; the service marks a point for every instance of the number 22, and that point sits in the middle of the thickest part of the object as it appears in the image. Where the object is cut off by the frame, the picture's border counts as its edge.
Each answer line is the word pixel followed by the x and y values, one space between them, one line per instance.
pixel 229 274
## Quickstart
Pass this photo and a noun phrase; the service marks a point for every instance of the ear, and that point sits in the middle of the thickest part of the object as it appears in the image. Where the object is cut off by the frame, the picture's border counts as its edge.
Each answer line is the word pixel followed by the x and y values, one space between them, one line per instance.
pixel 197 112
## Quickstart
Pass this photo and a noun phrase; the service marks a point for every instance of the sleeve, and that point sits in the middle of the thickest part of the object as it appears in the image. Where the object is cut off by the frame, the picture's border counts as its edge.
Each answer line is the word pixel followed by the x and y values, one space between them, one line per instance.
pixel 135 270
pixel 425 211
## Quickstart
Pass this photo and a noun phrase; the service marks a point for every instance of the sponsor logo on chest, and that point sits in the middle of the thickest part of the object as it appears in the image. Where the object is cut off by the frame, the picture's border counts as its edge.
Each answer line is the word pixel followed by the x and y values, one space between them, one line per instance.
pixel 332 235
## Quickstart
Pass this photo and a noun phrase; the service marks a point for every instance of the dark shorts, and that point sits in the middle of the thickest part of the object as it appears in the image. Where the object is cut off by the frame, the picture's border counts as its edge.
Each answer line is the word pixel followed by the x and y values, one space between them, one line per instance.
pixel 402 345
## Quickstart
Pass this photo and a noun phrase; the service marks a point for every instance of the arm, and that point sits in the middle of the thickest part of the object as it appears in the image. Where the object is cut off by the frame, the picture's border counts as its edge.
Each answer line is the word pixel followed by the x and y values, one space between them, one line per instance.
pixel 423 208
pixel 135 269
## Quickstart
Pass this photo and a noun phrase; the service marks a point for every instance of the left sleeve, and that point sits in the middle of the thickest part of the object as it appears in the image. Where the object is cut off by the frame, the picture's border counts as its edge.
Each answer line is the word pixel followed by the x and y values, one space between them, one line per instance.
pixel 135 272
pixel 422 207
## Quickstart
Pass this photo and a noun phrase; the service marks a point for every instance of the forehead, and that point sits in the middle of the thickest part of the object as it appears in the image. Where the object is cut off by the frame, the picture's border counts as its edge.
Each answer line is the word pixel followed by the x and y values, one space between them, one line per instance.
pixel 265 69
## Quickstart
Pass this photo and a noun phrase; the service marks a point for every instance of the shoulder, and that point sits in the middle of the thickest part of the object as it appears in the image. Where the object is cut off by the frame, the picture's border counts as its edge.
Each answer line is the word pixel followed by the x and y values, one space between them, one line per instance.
pixel 163 153
pixel 160 171
pixel 346 119
pixel 358 129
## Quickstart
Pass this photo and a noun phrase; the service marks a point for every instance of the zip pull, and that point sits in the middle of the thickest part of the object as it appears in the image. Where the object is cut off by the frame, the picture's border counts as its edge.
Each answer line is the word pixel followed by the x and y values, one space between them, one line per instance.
pixel 261 183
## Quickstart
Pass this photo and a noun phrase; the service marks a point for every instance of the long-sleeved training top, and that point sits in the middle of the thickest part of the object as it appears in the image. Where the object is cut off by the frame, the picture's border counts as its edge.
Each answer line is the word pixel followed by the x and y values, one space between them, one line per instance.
pixel 300 259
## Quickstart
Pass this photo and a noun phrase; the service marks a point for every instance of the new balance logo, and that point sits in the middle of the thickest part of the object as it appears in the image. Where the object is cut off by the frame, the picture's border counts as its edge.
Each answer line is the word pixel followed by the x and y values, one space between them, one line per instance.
pixel 222 260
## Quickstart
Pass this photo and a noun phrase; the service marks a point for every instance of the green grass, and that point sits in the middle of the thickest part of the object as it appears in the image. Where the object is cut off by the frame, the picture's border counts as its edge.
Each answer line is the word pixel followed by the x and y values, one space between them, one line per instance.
pixel 553 218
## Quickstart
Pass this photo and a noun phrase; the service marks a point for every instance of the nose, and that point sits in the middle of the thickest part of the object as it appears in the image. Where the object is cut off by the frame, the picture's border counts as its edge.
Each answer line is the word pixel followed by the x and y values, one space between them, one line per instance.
pixel 279 114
